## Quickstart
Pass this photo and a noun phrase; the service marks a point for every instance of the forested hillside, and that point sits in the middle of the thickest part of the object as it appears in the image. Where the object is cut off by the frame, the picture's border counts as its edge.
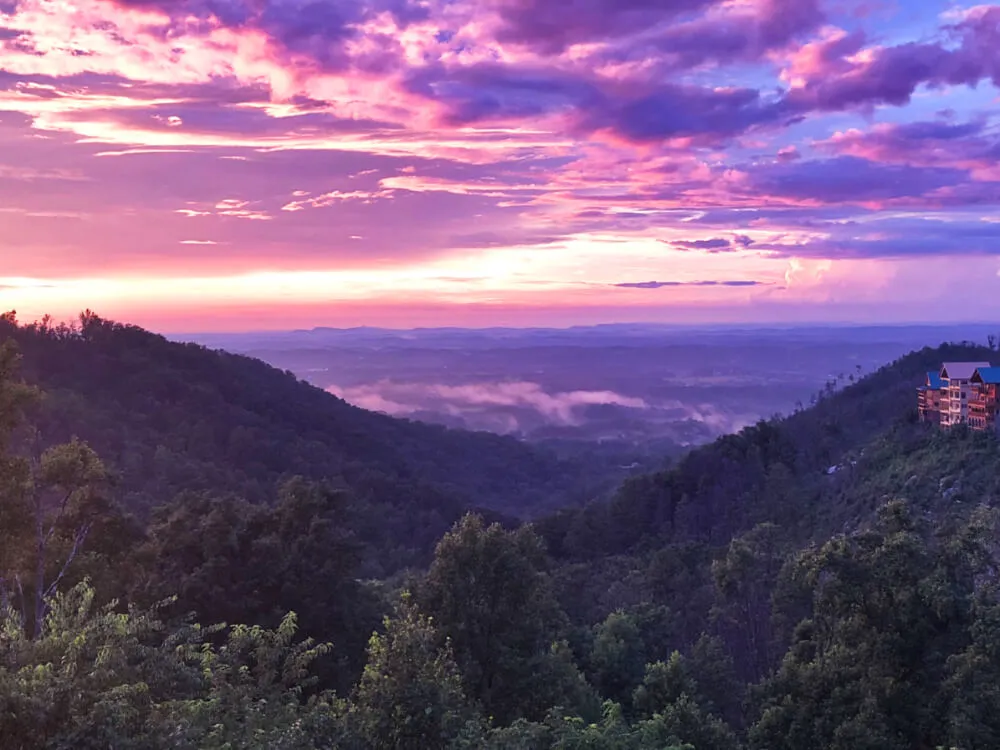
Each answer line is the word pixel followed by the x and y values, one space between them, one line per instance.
pixel 169 418
pixel 824 581
pixel 788 471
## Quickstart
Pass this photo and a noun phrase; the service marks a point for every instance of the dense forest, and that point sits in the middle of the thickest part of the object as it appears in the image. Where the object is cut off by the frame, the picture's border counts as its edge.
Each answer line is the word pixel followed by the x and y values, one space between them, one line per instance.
pixel 198 551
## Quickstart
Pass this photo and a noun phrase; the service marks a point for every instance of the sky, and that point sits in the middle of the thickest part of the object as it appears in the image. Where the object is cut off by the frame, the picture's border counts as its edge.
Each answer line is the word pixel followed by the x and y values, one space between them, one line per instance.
pixel 200 165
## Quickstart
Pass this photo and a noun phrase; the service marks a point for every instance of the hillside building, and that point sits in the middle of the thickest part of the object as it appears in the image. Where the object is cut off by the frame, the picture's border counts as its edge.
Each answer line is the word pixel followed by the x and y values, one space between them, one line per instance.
pixel 985 400
pixel 957 391
pixel 962 393
pixel 929 398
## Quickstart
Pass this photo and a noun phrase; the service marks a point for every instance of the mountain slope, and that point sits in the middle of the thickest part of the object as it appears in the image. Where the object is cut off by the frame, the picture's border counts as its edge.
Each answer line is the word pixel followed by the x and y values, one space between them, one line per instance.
pixel 774 471
pixel 172 417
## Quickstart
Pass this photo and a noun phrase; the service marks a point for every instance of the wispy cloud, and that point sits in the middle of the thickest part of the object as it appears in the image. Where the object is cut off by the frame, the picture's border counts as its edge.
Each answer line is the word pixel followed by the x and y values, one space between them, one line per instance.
pixel 662 284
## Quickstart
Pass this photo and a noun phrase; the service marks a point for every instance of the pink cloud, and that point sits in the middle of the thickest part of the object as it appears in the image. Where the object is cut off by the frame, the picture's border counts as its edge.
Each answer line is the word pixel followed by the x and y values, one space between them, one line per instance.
pixel 927 144
pixel 369 133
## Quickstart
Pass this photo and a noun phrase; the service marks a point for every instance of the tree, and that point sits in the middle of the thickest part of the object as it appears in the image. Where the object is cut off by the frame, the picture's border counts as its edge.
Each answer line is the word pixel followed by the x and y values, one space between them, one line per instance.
pixel 487 592
pixel 234 561
pixel 682 722
pixel 744 580
pixel 410 696
pixel 663 684
pixel 617 657
pixel 255 691
pixel 561 732
pixel 48 502
pixel 676 710
pixel 865 670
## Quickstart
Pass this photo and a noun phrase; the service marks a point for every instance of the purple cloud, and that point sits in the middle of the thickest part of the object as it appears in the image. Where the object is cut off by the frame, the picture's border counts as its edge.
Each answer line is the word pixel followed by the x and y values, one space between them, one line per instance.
pixel 679 111
pixel 636 113
pixel 930 144
pixel 848 179
pixel 715 245
pixel 498 92
pixel 897 239
pixel 318 29
pixel 551 25
pixel 891 75
pixel 662 284
pixel 745 34
pixel 487 126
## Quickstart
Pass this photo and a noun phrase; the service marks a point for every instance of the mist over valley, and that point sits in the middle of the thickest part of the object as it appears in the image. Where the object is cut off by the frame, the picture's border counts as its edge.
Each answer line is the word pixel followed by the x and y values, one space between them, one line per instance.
pixel 635 385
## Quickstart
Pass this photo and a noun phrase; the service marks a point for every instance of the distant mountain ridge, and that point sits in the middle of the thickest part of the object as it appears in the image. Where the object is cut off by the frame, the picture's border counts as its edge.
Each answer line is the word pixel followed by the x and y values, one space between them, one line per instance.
pixel 621 334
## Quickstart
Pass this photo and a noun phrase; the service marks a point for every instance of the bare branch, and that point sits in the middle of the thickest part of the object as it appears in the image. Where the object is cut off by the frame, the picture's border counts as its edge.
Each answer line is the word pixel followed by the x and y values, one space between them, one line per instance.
pixel 81 535
pixel 59 515
pixel 20 591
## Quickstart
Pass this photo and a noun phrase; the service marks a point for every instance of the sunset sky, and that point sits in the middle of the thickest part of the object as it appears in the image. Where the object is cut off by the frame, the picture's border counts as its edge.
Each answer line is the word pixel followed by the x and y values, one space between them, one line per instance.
pixel 242 164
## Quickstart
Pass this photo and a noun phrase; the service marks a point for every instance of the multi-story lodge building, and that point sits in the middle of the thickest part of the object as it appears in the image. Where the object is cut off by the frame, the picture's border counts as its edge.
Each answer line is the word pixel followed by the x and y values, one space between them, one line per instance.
pixel 985 401
pixel 961 393
pixel 957 377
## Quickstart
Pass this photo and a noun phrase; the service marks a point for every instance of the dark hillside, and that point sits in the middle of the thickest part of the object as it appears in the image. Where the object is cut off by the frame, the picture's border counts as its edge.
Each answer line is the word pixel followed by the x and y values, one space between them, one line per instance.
pixel 172 417
pixel 940 474
pixel 777 471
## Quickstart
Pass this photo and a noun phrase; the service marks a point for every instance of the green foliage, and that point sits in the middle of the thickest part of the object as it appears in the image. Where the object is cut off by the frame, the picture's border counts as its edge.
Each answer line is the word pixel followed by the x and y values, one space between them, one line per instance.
pixel 83 681
pixel 49 500
pixel 15 396
pixel 487 592
pixel 891 619
pixel 683 723
pixel 561 732
pixel 972 686
pixel 744 579
pixel 410 695
pixel 252 691
pixel 232 561
pixel 720 690
pixel 774 471
pixel 676 710
pixel 664 683
pixel 617 656
pixel 100 677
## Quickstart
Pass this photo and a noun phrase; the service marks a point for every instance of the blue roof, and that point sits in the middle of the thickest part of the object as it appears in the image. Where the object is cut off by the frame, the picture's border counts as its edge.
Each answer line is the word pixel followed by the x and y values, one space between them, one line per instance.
pixel 935 381
pixel 990 375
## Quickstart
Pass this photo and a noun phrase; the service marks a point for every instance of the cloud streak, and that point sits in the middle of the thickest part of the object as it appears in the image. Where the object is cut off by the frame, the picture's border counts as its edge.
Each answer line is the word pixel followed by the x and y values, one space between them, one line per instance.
pixel 671 284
